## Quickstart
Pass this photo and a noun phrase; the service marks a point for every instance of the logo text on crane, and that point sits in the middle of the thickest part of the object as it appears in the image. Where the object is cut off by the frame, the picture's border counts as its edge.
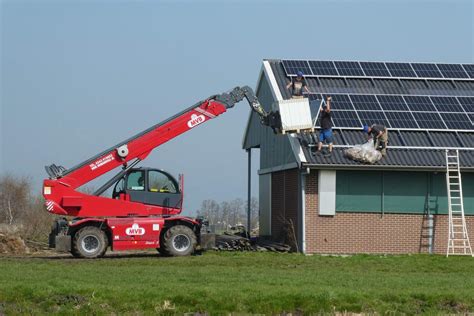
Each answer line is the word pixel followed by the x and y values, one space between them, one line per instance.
pixel 135 230
pixel 196 120
pixel 102 161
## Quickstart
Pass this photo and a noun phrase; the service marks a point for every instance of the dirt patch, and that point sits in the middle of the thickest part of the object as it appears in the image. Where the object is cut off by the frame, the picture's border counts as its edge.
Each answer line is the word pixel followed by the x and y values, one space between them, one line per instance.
pixel 453 306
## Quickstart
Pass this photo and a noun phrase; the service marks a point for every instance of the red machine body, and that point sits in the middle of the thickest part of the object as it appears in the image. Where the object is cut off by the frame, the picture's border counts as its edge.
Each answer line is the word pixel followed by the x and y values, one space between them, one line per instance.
pixel 138 215
pixel 68 201
pixel 133 233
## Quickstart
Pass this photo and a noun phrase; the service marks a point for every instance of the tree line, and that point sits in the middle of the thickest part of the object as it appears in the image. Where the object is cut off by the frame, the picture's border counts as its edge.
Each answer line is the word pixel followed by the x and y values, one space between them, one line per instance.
pixel 224 215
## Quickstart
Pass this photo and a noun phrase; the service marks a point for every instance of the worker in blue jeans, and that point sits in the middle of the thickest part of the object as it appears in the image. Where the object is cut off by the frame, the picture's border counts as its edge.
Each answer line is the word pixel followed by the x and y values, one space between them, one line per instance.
pixel 325 134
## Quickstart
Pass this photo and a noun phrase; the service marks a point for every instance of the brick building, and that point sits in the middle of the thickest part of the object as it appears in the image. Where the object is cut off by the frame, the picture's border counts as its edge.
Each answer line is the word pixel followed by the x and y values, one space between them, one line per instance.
pixel 399 204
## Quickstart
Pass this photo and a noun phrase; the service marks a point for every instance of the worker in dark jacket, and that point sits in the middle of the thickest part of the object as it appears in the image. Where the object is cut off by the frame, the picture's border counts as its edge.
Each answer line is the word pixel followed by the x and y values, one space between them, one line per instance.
pixel 297 86
pixel 325 134
pixel 379 134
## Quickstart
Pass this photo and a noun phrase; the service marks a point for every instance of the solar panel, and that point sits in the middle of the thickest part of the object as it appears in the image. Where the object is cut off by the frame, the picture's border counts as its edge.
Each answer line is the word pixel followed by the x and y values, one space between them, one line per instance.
pixel 369 118
pixel 314 96
pixel 293 66
pixel 375 69
pixel 401 111
pixel 349 68
pixel 401 119
pixel 471 117
pixel 446 104
pixel 426 70
pixel 417 103
pixel 457 120
pixel 343 118
pixel 452 71
pixel 400 70
pixel 429 120
pixel 469 69
pixel 378 69
pixel 392 103
pixel 467 103
pixel 365 102
pixel 323 68
pixel 340 102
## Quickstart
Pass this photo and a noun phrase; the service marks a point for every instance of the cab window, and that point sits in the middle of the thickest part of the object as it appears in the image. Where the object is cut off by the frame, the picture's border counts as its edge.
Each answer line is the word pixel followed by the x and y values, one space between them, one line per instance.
pixel 136 181
pixel 119 188
pixel 160 182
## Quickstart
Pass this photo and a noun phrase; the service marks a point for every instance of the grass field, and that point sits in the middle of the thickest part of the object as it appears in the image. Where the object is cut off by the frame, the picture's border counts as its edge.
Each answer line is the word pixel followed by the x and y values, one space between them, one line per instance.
pixel 219 283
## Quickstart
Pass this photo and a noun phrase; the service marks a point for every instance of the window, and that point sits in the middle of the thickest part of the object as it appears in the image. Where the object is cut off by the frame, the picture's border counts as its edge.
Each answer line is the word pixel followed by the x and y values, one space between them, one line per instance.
pixel 160 182
pixel 136 181
pixel 119 188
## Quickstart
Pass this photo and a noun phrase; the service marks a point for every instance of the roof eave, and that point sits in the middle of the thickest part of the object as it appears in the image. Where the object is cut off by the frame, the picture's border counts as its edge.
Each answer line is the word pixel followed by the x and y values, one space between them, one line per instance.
pixel 381 167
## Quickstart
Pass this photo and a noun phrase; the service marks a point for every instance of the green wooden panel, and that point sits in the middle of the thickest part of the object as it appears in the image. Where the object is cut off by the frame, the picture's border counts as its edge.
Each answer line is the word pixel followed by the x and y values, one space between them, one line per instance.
pixel 405 192
pixel 358 191
pixel 439 195
pixel 468 192
pixel 438 199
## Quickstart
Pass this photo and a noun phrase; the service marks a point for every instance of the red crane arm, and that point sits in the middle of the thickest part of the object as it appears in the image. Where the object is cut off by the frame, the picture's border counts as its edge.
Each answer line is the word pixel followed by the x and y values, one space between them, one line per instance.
pixel 60 189
pixel 140 145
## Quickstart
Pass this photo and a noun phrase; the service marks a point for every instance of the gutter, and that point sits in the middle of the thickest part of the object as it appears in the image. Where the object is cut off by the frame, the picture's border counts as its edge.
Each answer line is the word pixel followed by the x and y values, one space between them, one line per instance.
pixel 378 167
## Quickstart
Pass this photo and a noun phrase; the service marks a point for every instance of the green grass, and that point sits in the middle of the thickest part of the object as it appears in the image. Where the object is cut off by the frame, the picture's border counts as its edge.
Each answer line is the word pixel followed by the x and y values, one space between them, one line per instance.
pixel 220 283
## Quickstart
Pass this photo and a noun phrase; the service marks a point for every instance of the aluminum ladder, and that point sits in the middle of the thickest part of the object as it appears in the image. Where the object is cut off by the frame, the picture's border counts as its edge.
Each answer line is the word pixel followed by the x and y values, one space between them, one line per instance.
pixel 458 240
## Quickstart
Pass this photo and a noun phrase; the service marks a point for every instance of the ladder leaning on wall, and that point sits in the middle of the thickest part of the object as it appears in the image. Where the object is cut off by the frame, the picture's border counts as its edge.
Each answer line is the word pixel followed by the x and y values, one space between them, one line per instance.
pixel 458 239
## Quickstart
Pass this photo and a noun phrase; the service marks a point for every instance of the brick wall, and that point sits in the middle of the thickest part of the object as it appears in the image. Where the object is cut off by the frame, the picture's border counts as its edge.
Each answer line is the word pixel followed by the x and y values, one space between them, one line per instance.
pixel 441 232
pixel 312 210
pixel 370 232
pixel 284 202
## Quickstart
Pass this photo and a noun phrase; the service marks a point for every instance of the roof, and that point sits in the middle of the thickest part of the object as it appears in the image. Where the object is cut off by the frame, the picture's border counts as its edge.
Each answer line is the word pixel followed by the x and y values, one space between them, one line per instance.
pixel 396 159
pixel 407 149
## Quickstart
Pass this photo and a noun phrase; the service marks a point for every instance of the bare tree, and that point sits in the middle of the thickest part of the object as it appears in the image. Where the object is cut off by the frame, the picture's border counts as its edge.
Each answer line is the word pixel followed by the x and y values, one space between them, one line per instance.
pixel 228 213
pixel 254 213
pixel 210 210
pixel 21 211
pixel 14 198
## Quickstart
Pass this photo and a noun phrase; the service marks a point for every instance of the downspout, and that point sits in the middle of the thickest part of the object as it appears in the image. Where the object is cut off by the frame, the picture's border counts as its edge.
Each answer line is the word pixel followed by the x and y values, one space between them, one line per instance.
pixel 302 197
pixel 430 217
pixel 249 189
pixel 383 195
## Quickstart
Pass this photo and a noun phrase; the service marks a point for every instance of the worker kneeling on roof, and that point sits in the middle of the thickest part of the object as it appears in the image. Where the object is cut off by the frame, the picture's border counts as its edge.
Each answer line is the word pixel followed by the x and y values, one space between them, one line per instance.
pixel 297 86
pixel 379 134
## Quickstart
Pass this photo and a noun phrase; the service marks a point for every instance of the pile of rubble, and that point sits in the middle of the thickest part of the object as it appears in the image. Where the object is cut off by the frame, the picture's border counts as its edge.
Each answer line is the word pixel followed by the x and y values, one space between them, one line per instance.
pixel 240 240
pixel 238 243
pixel 12 244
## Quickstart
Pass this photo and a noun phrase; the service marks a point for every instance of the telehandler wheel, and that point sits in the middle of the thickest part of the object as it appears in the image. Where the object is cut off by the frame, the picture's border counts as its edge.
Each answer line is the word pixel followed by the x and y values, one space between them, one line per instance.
pixel 178 240
pixel 89 242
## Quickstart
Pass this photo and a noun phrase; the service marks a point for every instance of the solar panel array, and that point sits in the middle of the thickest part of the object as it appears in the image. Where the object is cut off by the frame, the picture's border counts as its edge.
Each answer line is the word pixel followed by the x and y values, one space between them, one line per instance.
pixel 313 68
pixel 401 111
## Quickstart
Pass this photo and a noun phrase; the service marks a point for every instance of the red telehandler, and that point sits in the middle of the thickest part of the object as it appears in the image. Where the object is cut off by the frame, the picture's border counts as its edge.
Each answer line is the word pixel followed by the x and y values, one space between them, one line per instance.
pixel 142 211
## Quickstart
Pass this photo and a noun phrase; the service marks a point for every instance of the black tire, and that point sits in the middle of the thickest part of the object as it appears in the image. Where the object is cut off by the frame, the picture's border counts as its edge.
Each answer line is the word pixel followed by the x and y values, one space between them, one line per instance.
pixel 75 253
pixel 177 241
pixel 89 242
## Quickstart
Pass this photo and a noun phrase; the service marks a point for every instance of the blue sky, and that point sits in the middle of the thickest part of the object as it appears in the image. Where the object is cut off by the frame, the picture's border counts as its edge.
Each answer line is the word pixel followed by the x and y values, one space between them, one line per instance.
pixel 80 76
